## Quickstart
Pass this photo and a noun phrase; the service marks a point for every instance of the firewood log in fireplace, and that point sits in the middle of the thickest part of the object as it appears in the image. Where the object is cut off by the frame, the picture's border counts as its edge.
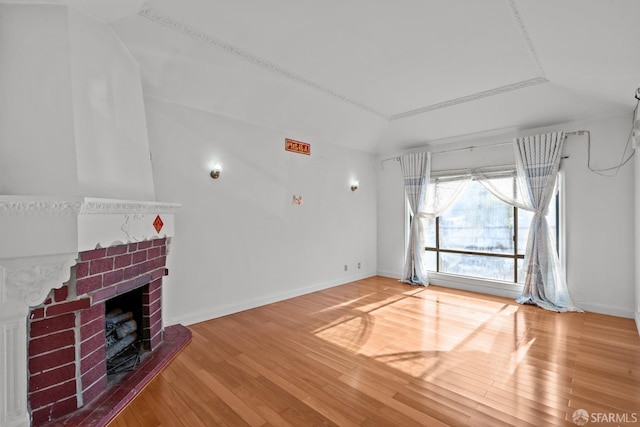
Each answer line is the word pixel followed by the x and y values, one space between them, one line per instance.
pixel 120 332
pixel 121 345
pixel 117 316
pixel 126 328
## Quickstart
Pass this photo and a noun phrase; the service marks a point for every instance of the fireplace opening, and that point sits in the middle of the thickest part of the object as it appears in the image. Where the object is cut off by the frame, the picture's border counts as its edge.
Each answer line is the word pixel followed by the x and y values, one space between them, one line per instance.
pixel 124 325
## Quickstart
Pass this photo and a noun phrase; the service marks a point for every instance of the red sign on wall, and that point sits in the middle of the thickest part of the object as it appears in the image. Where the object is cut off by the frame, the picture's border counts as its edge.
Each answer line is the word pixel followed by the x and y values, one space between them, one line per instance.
pixel 297 146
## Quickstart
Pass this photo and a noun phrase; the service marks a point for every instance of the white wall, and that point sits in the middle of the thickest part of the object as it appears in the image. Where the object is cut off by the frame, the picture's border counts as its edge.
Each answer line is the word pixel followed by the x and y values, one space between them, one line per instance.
pixel 108 114
pixel 37 152
pixel 599 211
pixel 600 219
pixel 71 108
pixel 240 242
pixel 637 215
pixel 391 219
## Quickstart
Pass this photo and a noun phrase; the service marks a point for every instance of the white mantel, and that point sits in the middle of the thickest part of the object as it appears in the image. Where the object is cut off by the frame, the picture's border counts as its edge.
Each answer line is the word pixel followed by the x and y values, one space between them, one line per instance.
pixel 40 241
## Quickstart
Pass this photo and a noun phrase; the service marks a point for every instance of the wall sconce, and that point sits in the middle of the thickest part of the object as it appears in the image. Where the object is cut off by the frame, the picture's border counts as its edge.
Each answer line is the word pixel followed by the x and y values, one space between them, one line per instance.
pixel 354 185
pixel 215 171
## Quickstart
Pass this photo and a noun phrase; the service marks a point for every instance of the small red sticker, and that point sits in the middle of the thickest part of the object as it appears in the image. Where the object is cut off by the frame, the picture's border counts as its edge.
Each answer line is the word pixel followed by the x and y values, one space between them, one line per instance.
pixel 157 224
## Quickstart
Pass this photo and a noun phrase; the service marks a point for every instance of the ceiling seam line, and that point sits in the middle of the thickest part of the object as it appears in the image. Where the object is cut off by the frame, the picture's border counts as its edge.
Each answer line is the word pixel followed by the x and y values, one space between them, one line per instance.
pixel 525 34
pixel 472 97
pixel 192 32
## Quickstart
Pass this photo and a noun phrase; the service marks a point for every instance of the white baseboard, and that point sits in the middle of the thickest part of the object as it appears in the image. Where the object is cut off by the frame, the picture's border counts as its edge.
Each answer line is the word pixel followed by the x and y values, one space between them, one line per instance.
pixel 514 291
pixel 215 312
pixel 606 309
pixel 390 274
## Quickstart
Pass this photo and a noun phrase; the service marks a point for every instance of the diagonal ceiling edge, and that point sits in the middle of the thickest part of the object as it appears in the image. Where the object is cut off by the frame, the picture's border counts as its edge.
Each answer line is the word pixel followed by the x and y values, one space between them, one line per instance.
pixel 155 16
pixel 194 33
pixel 525 36
pixel 496 91
pixel 472 97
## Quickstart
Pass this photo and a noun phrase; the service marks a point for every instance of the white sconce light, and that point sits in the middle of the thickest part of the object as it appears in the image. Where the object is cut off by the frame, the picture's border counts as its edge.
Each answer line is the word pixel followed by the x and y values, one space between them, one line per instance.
pixel 354 185
pixel 215 171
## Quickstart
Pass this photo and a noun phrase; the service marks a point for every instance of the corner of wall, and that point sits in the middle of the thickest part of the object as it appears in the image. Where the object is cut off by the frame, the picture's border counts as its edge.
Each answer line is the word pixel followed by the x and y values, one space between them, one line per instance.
pixel 637 224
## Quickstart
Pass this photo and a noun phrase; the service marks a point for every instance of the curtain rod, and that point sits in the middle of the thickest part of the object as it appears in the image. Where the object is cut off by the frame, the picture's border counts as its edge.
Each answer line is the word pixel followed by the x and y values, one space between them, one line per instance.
pixel 577 132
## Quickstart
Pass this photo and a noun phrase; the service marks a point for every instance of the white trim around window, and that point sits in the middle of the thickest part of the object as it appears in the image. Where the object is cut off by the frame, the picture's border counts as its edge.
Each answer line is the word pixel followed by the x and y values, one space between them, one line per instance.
pixel 474 284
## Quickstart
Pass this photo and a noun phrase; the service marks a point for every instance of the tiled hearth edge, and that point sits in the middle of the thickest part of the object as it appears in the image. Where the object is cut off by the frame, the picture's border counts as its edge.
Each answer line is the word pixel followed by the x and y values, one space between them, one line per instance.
pixel 67 367
pixel 121 392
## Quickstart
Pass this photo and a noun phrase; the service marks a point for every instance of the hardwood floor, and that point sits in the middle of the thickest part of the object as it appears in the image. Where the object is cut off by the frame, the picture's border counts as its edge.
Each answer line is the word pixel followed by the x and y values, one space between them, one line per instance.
pixel 377 352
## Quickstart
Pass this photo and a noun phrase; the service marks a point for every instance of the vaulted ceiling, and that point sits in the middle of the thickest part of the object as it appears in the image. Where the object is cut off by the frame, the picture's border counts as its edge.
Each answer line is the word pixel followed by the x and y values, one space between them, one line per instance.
pixel 381 75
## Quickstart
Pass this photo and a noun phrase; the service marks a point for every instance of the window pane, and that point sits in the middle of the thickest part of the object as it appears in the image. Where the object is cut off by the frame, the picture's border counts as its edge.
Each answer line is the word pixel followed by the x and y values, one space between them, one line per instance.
pixel 520 270
pixel 552 217
pixel 429 226
pixel 430 260
pixel 477 266
pixel 524 221
pixel 478 222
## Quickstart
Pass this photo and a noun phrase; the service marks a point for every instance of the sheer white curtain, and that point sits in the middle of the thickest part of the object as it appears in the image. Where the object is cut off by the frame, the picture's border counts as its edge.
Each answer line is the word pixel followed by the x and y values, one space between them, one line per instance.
pixel 444 189
pixel 437 197
pixel 416 168
pixel 501 181
pixel 537 163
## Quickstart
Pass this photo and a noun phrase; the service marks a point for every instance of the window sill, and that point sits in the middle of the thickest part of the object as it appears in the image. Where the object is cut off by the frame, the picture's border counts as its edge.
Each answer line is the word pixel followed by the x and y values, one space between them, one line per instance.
pixel 484 286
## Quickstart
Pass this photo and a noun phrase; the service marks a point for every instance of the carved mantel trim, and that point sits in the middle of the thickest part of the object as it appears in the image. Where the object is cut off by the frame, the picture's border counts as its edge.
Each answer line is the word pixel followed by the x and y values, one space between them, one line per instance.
pixel 29 280
pixel 21 206
pixel 33 225
pixel 24 282
pixel 10 207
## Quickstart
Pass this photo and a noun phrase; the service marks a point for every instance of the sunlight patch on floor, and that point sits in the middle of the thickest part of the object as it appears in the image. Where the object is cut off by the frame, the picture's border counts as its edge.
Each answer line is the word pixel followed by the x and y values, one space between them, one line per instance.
pixel 394 331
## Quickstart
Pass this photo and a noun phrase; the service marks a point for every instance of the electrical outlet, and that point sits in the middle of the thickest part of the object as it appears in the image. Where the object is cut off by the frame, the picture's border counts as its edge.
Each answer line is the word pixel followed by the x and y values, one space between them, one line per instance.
pixel 358 266
pixel 345 267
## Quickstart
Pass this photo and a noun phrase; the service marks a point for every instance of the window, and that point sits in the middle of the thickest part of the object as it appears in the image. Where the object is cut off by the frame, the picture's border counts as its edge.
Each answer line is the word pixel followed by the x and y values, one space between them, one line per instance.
pixel 481 235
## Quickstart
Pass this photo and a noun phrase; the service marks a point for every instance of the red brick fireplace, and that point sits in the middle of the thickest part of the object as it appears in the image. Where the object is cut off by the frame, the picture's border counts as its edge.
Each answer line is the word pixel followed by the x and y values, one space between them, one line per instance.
pixel 63 261
pixel 66 350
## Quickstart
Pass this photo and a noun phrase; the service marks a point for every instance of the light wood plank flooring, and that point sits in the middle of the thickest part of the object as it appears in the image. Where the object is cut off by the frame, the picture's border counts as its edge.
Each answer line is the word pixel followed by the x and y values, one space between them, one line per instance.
pixel 377 352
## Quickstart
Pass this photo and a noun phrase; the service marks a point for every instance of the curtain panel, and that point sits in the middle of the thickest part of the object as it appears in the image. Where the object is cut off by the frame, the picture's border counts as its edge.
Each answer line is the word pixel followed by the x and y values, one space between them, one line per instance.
pixel 537 163
pixel 416 168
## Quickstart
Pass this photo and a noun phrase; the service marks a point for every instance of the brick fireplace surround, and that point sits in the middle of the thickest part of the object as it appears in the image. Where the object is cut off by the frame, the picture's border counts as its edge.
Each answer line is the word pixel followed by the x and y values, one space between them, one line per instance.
pixel 77 313
pixel 53 292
